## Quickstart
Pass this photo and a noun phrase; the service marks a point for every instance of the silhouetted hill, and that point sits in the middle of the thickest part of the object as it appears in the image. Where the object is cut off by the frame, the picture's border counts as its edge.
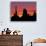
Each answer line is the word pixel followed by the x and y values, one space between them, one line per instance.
pixel 25 16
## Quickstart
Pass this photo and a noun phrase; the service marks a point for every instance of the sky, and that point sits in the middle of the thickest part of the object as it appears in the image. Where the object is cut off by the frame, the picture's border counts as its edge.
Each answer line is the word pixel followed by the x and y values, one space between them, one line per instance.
pixel 29 6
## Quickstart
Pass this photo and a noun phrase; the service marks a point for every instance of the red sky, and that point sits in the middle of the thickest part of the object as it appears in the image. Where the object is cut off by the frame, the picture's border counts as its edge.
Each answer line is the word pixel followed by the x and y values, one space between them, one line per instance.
pixel 30 6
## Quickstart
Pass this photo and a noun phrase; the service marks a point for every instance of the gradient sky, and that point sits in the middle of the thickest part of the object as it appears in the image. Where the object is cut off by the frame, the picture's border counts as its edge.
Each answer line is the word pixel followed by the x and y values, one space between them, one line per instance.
pixel 30 6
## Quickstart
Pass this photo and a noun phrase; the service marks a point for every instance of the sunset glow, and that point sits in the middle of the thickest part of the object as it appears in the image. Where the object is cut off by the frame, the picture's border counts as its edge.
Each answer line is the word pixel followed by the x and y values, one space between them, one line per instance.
pixel 30 7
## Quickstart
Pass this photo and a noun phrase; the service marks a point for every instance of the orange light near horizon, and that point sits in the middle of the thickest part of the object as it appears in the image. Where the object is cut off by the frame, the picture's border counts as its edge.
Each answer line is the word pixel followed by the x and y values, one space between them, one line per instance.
pixel 29 7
